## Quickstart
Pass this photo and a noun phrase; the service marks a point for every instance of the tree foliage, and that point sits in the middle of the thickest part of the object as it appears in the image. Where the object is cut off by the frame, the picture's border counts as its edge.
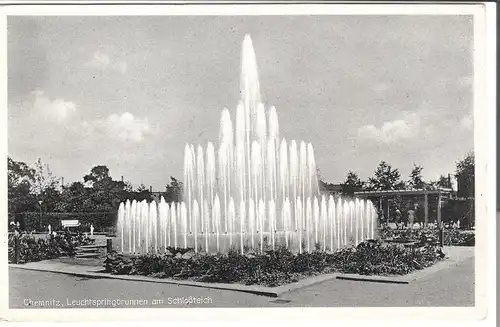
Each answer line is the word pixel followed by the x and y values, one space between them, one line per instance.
pixel 104 193
pixel 73 198
pixel 465 176
pixel 416 181
pixel 174 190
pixel 20 178
pixel 46 187
pixel 141 193
pixel 386 178
pixel 442 182
pixel 43 178
pixel 352 184
pixel 37 189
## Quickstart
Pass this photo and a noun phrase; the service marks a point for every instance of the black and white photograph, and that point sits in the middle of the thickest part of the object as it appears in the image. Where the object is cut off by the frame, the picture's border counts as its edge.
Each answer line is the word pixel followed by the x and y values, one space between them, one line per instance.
pixel 246 157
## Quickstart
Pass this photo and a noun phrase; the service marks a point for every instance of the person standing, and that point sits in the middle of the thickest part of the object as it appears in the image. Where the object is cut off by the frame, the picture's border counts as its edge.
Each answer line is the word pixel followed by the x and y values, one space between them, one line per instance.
pixel 381 218
pixel 399 221
pixel 411 216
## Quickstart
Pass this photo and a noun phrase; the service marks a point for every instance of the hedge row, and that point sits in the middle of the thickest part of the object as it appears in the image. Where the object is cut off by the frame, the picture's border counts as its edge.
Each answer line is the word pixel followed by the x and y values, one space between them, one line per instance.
pixel 39 221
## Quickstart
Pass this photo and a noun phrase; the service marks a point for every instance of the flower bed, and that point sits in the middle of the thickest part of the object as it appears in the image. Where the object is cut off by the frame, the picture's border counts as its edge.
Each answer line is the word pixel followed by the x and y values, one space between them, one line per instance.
pixel 274 268
pixel 458 237
pixel 452 237
pixel 54 246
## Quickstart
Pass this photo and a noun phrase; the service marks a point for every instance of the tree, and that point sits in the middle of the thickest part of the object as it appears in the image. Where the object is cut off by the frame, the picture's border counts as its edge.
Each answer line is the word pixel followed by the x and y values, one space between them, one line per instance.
pixel 465 176
pixel 19 172
pixel 43 178
pixel 98 175
pixel 386 178
pixel 352 184
pixel 49 198
pixel 442 182
pixel 73 198
pixel 140 194
pixel 104 194
pixel 20 180
pixel 141 188
pixel 46 187
pixel 416 181
pixel 174 190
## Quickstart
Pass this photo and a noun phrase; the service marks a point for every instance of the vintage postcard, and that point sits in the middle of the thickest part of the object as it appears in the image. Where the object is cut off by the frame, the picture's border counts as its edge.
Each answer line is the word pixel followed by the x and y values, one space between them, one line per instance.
pixel 179 158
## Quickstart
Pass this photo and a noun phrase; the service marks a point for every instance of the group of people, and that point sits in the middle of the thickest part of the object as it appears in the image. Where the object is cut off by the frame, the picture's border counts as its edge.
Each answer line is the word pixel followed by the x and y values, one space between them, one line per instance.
pixel 401 221
pixel 413 217
pixel 410 217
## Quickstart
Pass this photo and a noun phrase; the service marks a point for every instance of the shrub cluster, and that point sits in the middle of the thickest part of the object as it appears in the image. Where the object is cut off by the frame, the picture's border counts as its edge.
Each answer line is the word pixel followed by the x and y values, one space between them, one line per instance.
pixel 54 246
pixel 452 237
pixel 377 258
pixel 457 237
pixel 274 268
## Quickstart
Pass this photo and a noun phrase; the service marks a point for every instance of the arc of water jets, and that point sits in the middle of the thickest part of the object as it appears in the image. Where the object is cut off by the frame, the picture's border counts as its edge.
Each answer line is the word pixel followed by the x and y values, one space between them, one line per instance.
pixel 155 226
pixel 255 186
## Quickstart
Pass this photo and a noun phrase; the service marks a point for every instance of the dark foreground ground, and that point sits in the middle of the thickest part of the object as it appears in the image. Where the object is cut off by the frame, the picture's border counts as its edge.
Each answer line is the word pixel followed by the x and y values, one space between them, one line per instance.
pixel 449 287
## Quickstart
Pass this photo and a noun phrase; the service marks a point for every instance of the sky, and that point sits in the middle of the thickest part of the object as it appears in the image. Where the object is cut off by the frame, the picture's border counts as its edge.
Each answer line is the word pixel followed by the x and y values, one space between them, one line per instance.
pixel 130 92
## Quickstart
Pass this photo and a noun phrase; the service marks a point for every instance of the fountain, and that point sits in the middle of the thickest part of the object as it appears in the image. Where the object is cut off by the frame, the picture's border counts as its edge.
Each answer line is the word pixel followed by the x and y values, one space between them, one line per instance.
pixel 256 191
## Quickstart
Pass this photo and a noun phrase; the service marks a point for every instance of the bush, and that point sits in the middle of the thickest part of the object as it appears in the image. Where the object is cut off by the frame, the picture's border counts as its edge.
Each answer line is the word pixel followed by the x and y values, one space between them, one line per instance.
pixel 33 249
pixel 457 237
pixel 452 237
pixel 274 268
pixel 377 258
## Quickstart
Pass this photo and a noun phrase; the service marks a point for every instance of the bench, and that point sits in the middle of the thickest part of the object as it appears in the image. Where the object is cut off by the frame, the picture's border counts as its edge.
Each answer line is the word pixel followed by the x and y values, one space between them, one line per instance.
pixel 70 223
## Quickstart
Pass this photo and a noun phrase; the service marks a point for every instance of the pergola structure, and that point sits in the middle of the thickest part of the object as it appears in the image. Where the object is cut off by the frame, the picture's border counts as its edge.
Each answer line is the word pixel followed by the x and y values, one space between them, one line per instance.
pixel 441 194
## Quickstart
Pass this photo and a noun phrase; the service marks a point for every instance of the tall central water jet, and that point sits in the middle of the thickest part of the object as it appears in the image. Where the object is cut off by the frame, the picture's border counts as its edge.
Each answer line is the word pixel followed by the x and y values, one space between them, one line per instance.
pixel 253 192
